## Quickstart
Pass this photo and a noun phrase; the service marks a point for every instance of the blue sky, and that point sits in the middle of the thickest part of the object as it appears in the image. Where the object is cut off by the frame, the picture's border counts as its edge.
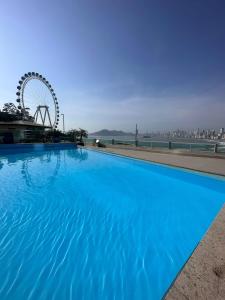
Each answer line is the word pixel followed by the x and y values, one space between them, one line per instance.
pixel 157 63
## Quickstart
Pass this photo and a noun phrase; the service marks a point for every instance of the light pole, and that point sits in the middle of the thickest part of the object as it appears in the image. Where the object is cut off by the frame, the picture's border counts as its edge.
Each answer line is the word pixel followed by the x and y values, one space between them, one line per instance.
pixel 136 136
pixel 63 123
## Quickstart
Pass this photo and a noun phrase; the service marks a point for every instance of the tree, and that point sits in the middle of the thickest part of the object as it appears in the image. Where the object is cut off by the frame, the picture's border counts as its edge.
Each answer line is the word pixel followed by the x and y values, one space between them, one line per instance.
pixel 27 116
pixel 53 133
pixel 73 134
pixel 77 135
pixel 11 109
pixel 83 133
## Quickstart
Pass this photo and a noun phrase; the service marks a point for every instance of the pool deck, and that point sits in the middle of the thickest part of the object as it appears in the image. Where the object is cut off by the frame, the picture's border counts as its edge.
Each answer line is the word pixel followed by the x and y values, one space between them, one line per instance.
pixel 203 276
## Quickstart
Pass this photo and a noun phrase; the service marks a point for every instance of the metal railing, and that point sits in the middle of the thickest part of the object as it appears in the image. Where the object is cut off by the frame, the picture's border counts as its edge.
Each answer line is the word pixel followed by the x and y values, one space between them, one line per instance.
pixel 169 145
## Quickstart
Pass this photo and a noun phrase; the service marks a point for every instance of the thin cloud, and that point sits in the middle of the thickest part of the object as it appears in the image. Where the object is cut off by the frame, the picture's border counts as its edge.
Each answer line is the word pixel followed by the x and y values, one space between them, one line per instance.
pixel 165 112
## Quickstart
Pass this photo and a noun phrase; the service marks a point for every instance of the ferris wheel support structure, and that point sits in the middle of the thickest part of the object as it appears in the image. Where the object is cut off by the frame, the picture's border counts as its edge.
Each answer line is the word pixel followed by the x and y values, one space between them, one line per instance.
pixel 43 112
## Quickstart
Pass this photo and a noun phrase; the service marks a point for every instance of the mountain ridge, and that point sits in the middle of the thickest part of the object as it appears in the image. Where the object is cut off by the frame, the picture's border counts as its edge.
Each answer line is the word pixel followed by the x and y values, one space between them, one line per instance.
pixel 107 132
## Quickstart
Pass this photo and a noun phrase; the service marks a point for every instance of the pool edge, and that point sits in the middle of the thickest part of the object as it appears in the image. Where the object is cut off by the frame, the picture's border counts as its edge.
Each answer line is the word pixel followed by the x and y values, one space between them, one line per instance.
pixel 203 275
pixel 173 166
pixel 204 270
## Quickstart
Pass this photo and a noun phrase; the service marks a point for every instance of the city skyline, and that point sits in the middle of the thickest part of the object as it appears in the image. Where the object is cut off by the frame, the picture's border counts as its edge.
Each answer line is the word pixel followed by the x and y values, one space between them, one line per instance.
pixel 196 133
pixel 113 65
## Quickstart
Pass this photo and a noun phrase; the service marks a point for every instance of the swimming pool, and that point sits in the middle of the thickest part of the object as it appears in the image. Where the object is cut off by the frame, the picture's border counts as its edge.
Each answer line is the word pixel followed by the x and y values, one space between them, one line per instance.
pixel 78 224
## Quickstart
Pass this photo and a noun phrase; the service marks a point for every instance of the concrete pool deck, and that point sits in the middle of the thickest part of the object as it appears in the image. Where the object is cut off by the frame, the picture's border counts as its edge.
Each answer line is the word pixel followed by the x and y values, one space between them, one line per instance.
pixel 203 276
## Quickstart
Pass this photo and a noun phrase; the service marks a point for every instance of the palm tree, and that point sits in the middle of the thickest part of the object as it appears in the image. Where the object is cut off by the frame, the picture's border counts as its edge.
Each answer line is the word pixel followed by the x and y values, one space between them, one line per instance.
pixel 83 133
pixel 77 135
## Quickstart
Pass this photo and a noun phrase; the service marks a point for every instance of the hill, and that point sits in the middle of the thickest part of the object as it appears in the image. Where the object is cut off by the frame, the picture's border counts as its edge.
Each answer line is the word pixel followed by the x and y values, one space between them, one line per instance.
pixel 106 132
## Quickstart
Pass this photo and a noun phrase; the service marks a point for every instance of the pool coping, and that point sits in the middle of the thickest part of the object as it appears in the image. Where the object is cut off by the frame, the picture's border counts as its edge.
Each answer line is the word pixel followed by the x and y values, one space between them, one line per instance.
pixel 203 274
pixel 174 166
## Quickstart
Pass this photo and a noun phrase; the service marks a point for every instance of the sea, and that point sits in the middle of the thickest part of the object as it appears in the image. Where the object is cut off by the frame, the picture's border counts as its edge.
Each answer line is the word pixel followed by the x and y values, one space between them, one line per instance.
pixel 156 138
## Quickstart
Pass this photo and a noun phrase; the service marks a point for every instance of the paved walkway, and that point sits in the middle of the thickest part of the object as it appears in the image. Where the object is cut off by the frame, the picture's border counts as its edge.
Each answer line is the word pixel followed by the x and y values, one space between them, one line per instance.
pixel 203 276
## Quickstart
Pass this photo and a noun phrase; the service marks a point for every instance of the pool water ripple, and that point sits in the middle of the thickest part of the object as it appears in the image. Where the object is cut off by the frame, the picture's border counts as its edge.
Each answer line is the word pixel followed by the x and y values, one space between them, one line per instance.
pixel 76 224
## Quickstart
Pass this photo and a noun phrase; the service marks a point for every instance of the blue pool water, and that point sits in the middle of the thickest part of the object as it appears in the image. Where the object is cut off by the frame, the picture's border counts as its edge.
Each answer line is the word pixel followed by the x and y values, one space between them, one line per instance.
pixel 78 224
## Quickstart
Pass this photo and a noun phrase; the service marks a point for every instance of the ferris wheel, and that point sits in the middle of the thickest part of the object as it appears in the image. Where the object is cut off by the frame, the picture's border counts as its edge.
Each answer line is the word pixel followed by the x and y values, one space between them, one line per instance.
pixel 35 177
pixel 37 100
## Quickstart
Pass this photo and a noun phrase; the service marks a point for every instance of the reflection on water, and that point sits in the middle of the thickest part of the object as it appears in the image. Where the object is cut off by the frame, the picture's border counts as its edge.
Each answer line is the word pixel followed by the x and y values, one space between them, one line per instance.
pixel 41 168
pixel 79 154
pixel 48 161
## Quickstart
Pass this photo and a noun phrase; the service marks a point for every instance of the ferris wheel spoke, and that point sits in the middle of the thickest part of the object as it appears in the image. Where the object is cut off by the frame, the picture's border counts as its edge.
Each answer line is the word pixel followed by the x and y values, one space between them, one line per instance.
pixel 31 100
pixel 45 95
pixel 32 94
pixel 38 96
